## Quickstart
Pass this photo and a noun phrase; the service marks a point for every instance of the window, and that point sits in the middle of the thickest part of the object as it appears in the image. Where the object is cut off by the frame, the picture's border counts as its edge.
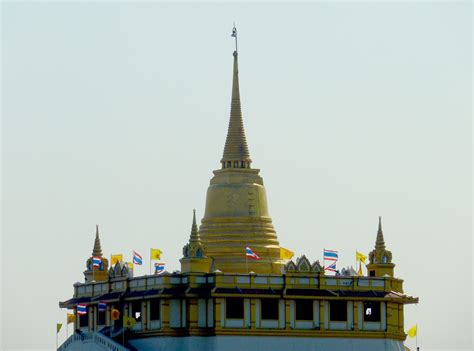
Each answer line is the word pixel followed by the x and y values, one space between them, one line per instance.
pixel 136 310
pixel 269 308
pixel 155 309
pixel 304 310
pixel 371 311
pixel 338 311
pixel 83 320
pixel 100 317
pixel 234 308
pixel 372 273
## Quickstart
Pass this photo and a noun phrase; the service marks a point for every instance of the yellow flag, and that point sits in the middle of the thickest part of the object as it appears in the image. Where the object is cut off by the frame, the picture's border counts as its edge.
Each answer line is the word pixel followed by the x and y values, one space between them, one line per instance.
pixel 128 322
pixel 155 254
pixel 360 257
pixel 115 259
pixel 130 265
pixel 286 254
pixel 70 318
pixel 58 327
pixel 412 331
pixel 115 315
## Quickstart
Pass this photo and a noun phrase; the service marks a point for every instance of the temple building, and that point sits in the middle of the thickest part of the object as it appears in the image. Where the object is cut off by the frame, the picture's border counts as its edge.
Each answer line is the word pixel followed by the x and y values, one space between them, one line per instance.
pixel 221 300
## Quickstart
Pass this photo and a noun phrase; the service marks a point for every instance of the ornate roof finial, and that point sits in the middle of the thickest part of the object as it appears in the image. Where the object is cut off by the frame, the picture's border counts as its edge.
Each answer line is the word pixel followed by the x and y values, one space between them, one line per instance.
pixel 380 242
pixel 236 152
pixel 194 230
pixel 97 251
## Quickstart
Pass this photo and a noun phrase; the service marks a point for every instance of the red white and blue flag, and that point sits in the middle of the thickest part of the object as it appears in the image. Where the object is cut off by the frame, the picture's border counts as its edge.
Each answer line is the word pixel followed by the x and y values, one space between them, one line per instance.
pixel 137 258
pixel 96 261
pixel 330 255
pixel 81 309
pixel 250 254
pixel 102 306
pixel 159 268
pixel 331 267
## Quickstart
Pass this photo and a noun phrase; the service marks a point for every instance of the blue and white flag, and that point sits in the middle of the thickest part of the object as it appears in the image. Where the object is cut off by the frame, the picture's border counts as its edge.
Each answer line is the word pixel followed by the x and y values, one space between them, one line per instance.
pixel 330 255
pixel 96 261
pixel 250 254
pixel 81 309
pixel 102 306
pixel 137 258
pixel 331 267
pixel 159 268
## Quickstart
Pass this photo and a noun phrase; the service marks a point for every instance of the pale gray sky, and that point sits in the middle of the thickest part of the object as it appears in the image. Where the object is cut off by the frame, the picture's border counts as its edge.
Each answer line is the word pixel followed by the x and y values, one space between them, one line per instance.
pixel 116 113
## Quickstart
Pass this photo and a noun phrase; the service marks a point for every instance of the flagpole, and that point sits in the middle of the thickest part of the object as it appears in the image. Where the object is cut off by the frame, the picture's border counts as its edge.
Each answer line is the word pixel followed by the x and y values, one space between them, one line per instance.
pixel 416 339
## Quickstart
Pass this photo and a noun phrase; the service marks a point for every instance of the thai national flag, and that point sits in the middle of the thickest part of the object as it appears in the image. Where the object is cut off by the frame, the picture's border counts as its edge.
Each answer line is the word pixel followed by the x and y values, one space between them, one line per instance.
pixel 159 268
pixel 102 306
pixel 330 255
pixel 81 309
pixel 250 254
pixel 96 261
pixel 137 258
pixel 331 267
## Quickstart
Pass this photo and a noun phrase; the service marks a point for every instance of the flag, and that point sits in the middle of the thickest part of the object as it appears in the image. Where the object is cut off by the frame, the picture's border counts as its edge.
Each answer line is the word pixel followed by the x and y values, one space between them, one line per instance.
pixel 70 318
pixel 250 254
pixel 58 327
pixel 286 254
pixel 116 258
pixel 81 309
pixel 96 261
pixel 128 322
pixel 102 306
pixel 330 255
pixel 159 268
pixel 412 331
pixel 331 267
pixel 115 315
pixel 360 257
pixel 130 265
pixel 137 258
pixel 234 32
pixel 155 254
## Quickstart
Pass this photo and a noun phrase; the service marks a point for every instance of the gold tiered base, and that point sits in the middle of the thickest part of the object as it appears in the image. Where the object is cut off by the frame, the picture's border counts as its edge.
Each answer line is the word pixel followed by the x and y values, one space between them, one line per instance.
pixel 237 216
pixel 226 239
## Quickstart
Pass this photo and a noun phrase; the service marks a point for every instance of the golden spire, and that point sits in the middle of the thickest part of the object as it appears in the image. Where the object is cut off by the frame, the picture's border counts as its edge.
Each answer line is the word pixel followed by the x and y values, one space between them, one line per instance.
pixel 236 152
pixel 380 242
pixel 97 249
pixel 194 230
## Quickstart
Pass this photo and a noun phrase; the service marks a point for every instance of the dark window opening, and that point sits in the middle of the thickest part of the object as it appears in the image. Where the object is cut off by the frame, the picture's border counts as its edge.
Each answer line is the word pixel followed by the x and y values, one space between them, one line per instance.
pixel 372 273
pixel 234 308
pixel 338 311
pixel 304 310
pixel 83 320
pixel 101 317
pixel 372 311
pixel 137 310
pixel 155 310
pixel 269 308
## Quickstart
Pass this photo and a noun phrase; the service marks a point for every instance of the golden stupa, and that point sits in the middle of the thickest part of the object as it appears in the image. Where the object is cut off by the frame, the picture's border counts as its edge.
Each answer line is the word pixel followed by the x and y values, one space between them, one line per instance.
pixel 236 212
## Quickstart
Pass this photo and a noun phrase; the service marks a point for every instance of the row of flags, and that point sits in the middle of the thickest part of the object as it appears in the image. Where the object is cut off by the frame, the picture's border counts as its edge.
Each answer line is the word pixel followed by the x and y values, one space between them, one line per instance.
pixel 155 254
pixel 332 256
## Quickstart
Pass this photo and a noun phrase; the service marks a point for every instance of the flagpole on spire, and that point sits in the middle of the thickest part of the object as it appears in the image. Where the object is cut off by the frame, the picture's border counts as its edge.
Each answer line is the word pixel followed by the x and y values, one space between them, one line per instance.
pixel 234 35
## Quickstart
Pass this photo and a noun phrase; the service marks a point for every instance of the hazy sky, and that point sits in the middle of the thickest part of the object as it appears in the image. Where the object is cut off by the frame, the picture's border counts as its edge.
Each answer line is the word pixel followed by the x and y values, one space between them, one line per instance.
pixel 116 114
